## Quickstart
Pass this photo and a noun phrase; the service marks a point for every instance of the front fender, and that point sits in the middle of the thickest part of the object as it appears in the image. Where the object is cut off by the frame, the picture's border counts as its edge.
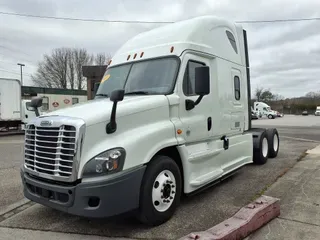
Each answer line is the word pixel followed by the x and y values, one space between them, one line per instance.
pixel 141 134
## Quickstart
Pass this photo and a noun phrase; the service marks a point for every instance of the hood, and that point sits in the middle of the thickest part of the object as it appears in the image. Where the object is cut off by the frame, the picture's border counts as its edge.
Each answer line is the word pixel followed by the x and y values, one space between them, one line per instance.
pixel 99 110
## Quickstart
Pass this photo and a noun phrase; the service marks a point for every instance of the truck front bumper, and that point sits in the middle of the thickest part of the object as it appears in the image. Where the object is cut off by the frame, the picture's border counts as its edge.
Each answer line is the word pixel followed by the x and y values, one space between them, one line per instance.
pixel 97 199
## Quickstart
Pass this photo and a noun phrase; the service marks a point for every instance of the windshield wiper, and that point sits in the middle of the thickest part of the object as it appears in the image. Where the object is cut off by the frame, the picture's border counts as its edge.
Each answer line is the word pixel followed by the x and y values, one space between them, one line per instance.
pixel 137 92
pixel 102 95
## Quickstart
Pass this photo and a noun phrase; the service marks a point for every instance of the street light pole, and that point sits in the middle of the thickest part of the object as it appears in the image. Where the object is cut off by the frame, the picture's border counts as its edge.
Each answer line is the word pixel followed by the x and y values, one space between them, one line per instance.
pixel 21 65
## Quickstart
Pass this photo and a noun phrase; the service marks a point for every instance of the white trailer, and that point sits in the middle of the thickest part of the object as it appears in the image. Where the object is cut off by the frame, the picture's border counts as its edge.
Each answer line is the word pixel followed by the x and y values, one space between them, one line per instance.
pixel 10 103
pixel 171 116
pixel 14 112
pixel 10 100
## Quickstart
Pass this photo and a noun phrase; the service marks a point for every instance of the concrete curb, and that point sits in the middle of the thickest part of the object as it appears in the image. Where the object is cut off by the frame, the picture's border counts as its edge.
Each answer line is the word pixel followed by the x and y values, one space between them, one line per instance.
pixel 243 223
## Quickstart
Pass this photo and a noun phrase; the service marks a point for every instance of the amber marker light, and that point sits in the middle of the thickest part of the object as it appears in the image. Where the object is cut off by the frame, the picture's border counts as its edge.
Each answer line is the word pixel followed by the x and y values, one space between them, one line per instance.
pixel 179 131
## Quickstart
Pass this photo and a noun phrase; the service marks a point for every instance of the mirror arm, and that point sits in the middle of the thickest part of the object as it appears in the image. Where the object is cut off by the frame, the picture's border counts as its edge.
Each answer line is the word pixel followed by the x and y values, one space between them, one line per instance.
pixel 112 125
pixel 198 100
pixel 36 110
pixel 190 104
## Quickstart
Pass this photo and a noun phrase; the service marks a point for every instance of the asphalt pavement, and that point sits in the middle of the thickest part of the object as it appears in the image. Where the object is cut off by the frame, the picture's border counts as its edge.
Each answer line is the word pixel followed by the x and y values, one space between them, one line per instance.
pixel 195 213
pixel 11 150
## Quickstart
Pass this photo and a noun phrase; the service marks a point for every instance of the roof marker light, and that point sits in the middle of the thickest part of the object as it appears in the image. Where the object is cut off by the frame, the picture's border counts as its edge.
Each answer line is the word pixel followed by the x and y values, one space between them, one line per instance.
pixel 141 54
pixel 128 57
pixel 172 48
pixel 135 55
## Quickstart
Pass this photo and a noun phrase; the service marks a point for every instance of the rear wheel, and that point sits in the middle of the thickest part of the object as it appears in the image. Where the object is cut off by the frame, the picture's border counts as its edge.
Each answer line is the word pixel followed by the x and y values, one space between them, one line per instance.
pixel 260 148
pixel 274 142
pixel 270 116
pixel 160 191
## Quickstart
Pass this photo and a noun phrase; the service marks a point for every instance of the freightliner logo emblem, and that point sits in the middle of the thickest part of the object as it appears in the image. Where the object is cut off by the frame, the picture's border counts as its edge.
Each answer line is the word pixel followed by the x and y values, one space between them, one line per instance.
pixel 46 123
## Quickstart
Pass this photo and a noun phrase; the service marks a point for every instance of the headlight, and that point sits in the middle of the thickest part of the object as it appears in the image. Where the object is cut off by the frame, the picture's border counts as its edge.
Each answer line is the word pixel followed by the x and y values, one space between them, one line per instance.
pixel 105 163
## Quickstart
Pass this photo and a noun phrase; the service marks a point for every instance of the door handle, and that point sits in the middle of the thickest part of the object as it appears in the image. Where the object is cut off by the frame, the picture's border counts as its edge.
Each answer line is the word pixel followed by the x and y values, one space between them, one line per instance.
pixel 225 142
pixel 209 123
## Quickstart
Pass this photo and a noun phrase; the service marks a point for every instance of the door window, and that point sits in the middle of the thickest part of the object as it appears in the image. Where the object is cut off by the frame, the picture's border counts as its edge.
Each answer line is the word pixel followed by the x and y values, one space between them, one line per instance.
pixel 236 88
pixel 188 84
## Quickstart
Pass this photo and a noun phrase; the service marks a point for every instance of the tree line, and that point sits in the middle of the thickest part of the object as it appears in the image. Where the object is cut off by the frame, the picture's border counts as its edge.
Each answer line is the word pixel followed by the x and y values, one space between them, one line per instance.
pixel 296 105
pixel 63 68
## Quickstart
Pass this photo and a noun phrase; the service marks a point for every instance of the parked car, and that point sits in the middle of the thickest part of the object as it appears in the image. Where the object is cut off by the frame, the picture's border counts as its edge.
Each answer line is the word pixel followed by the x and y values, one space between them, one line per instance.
pixel 254 115
pixel 279 114
pixel 305 113
pixel 317 112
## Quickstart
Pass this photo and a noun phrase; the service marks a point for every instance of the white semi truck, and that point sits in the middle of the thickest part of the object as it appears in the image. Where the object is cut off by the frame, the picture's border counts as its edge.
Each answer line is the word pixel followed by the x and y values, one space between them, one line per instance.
pixel 14 112
pixel 171 116
pixel 264 109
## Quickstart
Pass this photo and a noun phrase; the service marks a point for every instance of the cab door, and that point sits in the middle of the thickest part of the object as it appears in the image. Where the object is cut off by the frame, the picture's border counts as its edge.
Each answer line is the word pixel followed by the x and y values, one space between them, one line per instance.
pixel 196 122
pixel 200 125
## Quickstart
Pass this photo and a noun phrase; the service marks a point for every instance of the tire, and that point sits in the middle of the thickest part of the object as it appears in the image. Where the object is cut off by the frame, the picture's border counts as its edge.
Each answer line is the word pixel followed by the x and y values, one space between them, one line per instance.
pixel 270 116
pixel 274 142
pixel 260 148
pixel 155 189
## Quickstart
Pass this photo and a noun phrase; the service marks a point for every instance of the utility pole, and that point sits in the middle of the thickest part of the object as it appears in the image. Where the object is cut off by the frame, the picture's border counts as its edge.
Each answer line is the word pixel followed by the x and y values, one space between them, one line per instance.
pixel 21 65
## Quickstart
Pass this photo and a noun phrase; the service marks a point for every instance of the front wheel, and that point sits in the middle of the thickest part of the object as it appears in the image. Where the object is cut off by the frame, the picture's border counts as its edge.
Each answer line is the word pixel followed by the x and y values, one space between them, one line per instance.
pixel 160 191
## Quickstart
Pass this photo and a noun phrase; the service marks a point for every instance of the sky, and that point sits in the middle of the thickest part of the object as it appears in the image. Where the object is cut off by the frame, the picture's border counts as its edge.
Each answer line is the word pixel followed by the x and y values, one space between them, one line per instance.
pixel 284 56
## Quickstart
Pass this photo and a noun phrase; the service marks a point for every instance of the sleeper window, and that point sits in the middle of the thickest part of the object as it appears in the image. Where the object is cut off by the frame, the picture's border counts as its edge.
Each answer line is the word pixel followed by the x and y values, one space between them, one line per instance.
pixel 232 41
pixel 237 87
pixel 189 78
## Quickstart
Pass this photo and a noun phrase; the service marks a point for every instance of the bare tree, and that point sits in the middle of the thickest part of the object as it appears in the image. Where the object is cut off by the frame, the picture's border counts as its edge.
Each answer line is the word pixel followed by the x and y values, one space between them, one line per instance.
pixel 62 69
pixel 71 75
pixel 52 71
pixel 313 95
pixel 81 57
pixel 277 97
pixel 258 93
pixel 102 59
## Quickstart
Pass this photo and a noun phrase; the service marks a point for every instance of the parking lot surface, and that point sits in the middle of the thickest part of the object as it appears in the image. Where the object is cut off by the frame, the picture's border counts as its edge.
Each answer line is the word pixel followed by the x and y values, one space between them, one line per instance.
pixel 195 213
pixel 11 150
pixel 290 121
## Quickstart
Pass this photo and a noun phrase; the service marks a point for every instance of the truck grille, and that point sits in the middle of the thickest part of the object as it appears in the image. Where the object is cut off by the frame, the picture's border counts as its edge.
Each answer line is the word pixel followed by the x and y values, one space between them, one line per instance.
pixel 50 150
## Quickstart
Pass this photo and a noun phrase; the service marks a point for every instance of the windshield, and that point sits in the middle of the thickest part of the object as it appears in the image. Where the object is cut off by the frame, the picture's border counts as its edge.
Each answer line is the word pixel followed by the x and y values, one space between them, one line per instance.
pixel 155 76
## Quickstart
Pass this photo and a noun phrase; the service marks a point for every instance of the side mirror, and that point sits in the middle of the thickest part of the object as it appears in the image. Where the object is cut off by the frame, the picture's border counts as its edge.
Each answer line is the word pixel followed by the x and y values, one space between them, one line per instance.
pixel 202 80
pixel 36 102
pixel 116 96
pixel 202 86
